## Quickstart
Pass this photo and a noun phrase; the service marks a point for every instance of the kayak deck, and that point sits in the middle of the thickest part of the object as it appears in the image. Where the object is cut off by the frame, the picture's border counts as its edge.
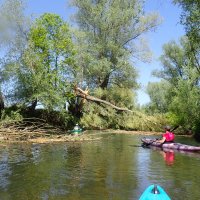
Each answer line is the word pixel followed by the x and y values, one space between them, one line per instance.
pixel 154 192
pixel 173 145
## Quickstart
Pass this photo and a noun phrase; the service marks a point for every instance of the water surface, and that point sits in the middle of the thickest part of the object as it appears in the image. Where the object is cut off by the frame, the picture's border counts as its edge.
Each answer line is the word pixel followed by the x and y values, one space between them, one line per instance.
pixel 111 168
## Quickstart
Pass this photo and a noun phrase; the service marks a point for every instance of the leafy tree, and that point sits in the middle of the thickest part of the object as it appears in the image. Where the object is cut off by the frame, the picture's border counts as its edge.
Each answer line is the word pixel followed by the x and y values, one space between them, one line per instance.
pixel 43 69
pixel 175 61
pixel 182 69
pixel 47 62
pixel 14 27
pixel 180 72
pixel 110 34
pixel 160 96
pixel 190 19
pixel 185 105
pixel 109 39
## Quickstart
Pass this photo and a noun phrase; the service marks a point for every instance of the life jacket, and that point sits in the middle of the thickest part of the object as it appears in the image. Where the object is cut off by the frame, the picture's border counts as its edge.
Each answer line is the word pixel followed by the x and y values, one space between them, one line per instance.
pixel 169 136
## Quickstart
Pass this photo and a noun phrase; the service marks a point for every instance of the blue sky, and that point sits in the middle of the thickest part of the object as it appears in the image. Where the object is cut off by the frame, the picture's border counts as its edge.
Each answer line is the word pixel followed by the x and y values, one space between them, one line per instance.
pixel 169 30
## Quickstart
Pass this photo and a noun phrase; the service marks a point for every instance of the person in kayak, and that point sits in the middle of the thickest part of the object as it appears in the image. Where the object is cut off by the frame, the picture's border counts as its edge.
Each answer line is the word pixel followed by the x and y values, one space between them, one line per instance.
pixel 168 136
pixel 77 127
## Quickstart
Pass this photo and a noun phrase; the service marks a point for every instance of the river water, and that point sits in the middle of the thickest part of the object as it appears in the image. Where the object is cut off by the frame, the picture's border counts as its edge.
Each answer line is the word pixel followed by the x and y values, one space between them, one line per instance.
pixel 111 168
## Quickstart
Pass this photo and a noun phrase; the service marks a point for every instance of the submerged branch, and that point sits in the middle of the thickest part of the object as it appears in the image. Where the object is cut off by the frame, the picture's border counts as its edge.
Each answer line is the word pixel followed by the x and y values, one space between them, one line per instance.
pixel 28 128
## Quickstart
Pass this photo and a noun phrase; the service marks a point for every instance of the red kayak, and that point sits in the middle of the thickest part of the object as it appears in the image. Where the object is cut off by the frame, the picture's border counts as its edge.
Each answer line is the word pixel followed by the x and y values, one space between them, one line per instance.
pixel 176 146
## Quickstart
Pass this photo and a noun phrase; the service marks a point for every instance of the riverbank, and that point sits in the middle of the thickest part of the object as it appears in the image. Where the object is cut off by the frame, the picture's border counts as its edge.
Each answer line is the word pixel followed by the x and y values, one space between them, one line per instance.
pixel 12 136
pixel 132 132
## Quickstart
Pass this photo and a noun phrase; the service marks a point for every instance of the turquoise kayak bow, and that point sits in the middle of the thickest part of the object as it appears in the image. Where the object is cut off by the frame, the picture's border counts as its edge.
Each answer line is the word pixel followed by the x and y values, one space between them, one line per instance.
pixel 154 192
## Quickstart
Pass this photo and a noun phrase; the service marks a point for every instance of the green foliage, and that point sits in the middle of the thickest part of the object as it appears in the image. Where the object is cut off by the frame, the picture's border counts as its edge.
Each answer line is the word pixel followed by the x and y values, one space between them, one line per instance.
pixel 173 118
pixel 110 35
pixel 9 115
pixel 96 117
pixel 51 45
pixel 111 31
pixel 174 59
pixel 42 62
pixel 190 19
pixel 13 24
pixel 18 114
pixel 61 119
pixel 181 71
pixel 105 117
pixel 186 104
pixel 160 96
pixel 43 70
pixel 121 97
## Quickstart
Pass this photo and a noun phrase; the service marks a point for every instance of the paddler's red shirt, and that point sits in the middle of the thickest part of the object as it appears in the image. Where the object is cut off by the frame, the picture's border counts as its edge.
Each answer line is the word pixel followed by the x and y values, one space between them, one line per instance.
pixel 169 136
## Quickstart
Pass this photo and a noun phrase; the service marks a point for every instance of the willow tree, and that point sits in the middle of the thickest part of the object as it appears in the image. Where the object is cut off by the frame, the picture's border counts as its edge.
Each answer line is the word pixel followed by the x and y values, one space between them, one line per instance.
pixel 110 39
pixel 14 24
pixel 173 59
pixel 183 78
pixel 38 67
pixel 14 27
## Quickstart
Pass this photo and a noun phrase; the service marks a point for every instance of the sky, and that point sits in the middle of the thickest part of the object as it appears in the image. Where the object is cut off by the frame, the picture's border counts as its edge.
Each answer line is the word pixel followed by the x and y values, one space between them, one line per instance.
pixel 170 29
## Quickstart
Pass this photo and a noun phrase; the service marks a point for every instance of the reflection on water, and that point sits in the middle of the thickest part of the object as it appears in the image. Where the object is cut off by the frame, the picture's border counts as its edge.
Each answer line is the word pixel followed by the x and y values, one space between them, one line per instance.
pixel 5 171
pixel 167 154
pixel 169 157
pixel 110 168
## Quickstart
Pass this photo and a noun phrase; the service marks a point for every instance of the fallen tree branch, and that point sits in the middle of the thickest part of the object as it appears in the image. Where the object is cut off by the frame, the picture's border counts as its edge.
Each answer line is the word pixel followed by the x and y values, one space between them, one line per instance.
pixel 81 93
pixel 91 98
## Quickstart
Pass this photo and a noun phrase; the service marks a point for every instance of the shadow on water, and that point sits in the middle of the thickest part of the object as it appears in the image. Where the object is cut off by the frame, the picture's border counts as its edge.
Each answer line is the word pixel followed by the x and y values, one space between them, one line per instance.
pixel 115 167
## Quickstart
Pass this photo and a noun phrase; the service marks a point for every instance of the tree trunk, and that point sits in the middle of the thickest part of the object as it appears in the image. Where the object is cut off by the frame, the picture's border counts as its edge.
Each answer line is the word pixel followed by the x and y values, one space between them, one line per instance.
pixel 33 105
pixel 104 83
pixel 1 103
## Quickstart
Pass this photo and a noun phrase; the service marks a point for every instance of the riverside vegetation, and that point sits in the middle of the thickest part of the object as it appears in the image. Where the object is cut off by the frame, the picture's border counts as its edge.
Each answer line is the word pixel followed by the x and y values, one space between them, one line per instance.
pixel 44 59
